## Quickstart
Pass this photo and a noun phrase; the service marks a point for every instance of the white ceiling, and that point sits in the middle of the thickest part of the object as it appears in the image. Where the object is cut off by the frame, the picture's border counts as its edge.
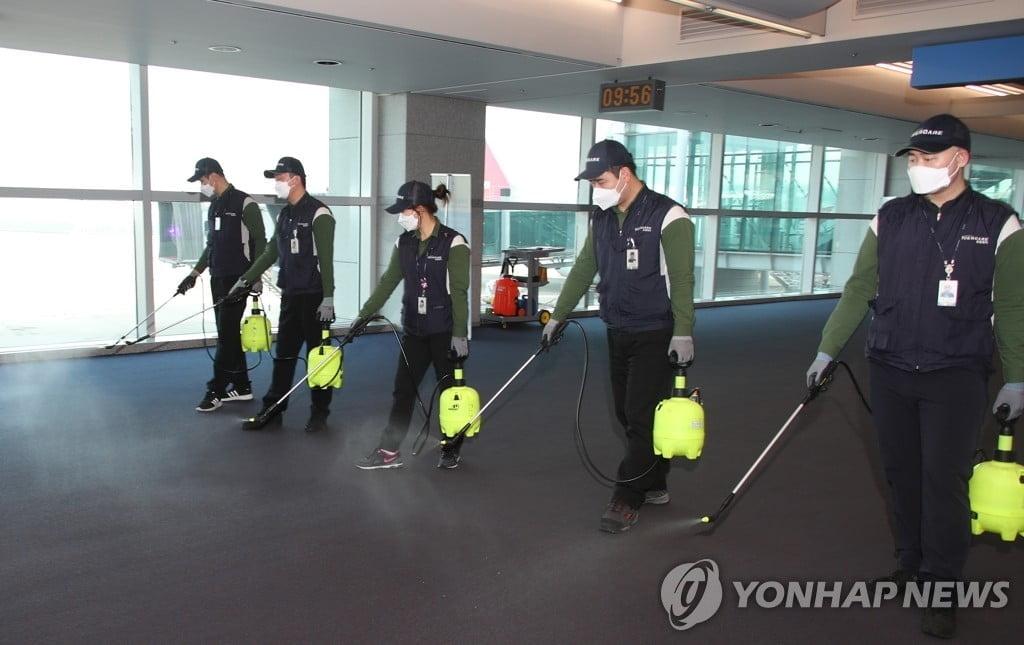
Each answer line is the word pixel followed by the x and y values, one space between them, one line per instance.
pixel 548 55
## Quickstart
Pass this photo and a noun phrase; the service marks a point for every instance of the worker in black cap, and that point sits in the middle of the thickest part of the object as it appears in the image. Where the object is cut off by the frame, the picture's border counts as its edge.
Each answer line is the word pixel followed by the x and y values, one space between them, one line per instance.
pixel 432 261
pixel 641 244
pixel 303 247
pixel 941 271
pixel 234 238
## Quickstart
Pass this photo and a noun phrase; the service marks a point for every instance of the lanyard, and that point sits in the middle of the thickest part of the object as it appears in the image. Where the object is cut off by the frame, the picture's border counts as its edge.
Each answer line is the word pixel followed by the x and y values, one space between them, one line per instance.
pixel 950 264
pixel 421 263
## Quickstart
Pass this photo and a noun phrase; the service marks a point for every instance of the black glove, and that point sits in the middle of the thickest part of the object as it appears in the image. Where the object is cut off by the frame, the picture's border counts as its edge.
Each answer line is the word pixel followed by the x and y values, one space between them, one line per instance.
pixel 187 283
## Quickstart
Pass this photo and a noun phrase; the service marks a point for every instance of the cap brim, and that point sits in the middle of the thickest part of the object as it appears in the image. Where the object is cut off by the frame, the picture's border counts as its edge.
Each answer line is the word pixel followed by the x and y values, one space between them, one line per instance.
pixel 269 174
pixel 195 176
pixel 399 206
pixel 930 149
pixel 589 174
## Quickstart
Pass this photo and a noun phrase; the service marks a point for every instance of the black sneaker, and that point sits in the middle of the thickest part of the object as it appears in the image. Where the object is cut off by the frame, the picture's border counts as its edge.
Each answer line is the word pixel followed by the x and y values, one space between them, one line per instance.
pixel 238 394
pixel 209 403
pixel 378 459
pixel 939 621
pixel 618 517
pixel 900 576
pixel 268 414
pixel 449 459
pixel 657 497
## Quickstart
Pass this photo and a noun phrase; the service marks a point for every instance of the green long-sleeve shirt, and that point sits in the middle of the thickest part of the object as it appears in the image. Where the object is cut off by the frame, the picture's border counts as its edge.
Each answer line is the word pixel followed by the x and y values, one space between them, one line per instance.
pixel 323 241
pixel 458 283
pixel 253 220
pixel 677 245
pixel 1007 302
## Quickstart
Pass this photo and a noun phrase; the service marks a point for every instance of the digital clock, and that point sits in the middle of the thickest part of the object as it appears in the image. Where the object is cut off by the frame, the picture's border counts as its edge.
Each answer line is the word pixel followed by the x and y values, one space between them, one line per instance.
pixel 635 95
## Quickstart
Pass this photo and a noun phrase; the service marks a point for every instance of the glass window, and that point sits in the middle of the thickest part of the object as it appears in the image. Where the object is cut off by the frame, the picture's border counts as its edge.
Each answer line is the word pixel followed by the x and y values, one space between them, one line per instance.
pixel 515 171
pixel 238 121
pixel 849 180
pixel 765 175
pixel 838 244
pixel 65 122
pixel 78 260
pixel 759 256
pixel 993 181
pixel 521 229
pixel 671 162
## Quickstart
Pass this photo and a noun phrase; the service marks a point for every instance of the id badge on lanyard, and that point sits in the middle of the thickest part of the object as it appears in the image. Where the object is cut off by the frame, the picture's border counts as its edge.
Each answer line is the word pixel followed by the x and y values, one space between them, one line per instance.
pixel 216 223
pixel 947 293
pixel 947 287
pixel 295 242
pixel 632 255
pixel 421 302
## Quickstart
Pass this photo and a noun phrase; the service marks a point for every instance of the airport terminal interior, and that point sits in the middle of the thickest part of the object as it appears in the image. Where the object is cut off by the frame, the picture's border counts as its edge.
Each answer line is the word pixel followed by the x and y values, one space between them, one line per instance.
pixel 128 516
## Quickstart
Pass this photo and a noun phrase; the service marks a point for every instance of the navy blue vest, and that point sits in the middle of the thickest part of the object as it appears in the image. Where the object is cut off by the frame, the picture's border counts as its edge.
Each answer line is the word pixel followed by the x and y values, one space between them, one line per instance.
pixel 231 248
pixel 909 330
pixel 298 273
pixel 430 268
pixel 633 300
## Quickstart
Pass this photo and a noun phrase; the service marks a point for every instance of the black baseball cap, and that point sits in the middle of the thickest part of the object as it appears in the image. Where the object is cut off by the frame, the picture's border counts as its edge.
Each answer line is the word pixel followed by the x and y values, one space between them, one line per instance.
pixel 204 167
pixel 411 194
pixel 286 164
pixel 603 156
pixel 938 133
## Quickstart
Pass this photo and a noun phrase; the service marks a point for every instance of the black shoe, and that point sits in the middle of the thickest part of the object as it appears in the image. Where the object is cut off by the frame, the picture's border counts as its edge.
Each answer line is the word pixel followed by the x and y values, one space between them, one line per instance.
pixel 939 621
pixel 317 422
pixel 449 458
pixel 380 458
pixel 618 517
pixel 268 414
pixel 900 577
pixel 209 403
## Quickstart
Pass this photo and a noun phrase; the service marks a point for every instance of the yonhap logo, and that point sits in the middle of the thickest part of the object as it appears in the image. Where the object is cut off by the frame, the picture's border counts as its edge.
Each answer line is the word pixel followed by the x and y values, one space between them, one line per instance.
pixel 691 593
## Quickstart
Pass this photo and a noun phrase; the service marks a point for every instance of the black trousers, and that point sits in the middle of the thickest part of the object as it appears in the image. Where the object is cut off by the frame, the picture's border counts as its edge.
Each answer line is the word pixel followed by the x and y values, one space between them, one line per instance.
pixel 641 377
pixel 927 426
pixel 422 352
pixel 298 324
pixel 229 364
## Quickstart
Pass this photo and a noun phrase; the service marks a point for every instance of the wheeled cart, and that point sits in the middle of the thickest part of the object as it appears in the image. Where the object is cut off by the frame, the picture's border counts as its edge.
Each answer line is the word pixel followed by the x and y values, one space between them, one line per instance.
pixel 535 278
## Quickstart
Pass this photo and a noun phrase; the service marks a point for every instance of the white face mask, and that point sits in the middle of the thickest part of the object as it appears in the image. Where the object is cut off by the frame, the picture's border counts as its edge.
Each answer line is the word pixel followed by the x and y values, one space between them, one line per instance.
pixel 925 180
pixel 282 189
pixel 408 222
pixel 206 190
pixel 605 198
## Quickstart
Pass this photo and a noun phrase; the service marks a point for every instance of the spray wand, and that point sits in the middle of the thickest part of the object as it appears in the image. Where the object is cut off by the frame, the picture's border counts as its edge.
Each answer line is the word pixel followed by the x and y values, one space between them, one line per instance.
pixel 819 386
pixel 141 323
pixel 544 346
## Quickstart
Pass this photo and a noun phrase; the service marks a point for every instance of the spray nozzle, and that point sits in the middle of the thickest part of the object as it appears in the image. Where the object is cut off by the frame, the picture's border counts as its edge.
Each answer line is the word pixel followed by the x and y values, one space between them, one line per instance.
pixel 358 325
pixel 547 341
pixel 822 382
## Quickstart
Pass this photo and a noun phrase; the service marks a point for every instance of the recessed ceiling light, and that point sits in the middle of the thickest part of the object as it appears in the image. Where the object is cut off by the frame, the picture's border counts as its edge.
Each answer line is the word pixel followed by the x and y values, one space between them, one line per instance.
pixel 224 49
pixel 326 62
pixel 768 125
